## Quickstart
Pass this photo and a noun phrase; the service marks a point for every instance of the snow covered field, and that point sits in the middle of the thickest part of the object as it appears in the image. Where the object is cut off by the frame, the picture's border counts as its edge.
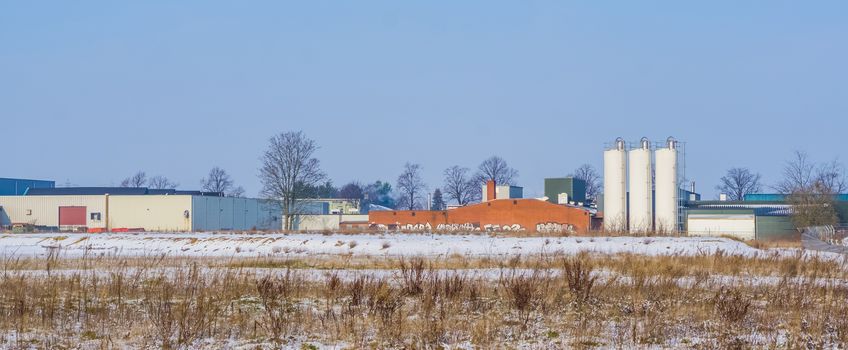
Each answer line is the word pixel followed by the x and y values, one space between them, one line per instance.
pixel 253 245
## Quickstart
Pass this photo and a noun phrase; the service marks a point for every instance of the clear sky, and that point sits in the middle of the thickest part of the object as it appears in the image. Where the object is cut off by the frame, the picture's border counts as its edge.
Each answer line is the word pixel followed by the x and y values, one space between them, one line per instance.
pixel 91 91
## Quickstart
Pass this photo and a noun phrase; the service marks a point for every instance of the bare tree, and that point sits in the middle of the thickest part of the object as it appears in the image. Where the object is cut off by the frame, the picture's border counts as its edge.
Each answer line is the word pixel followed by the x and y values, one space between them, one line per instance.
pixel 237 192
pixel 410 186
pixel 459 185
pixel 832 177
pixel 813 206
pixel 496 168
pixel 160 182
pixel 288 169
pixel 738 182
pixel 797 174
pixel 139 179
pixel 811 190
pixel 594 181
pixel 217 181
pixel 220 181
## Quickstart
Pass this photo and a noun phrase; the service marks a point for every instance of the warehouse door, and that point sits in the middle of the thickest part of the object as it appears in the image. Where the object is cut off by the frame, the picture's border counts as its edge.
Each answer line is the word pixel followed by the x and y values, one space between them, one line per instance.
pixel 72 216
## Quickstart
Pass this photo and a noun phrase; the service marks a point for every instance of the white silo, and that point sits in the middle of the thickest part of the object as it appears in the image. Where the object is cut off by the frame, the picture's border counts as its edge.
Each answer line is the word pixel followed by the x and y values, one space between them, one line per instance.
pixel 641 198
pixel 666 188
pixel 615 192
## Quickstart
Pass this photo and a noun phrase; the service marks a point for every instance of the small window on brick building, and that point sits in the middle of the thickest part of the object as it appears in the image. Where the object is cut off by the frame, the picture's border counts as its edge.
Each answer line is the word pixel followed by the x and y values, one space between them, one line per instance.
pixel 514 202
pixel 413 213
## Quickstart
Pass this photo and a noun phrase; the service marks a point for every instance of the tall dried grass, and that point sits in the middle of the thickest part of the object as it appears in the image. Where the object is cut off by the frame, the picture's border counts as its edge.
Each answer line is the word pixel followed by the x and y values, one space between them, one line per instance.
pixel 622 301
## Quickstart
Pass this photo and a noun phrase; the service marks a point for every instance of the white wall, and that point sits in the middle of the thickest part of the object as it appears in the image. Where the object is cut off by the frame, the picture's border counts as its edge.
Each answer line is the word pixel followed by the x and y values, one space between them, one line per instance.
pixel 152 213
pixel 742 226
pixel 324 222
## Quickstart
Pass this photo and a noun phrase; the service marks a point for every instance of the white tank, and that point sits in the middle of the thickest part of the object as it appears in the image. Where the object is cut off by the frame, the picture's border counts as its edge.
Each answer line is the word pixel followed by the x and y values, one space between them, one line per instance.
pixel 641 199
pixel 666 188
pixel 615 175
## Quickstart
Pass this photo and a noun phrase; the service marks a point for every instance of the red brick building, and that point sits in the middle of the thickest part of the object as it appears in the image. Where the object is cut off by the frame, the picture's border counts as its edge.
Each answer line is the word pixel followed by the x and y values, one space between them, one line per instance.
pixel 530 215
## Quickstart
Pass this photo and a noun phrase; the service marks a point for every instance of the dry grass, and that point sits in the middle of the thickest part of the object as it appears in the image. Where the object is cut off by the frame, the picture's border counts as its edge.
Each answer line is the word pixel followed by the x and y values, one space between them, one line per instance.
pixel 582 301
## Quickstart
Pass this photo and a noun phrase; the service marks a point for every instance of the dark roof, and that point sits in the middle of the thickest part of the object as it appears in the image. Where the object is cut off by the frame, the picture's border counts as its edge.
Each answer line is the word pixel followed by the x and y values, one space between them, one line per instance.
pixel 117 191
pixel 200 193
pixel 82 191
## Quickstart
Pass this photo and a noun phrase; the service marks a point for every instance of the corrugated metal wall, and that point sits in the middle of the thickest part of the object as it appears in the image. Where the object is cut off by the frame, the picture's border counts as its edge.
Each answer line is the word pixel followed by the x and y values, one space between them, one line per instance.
pixel 776 227
pixel 227 213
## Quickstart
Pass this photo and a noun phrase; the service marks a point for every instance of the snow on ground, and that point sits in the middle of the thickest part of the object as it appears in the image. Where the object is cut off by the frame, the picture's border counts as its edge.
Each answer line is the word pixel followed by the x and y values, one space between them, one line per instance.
pixel 253 245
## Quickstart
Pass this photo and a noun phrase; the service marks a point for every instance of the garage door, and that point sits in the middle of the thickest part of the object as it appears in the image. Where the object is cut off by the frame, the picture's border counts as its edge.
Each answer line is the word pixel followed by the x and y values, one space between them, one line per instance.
pixel 740 225
pixel 72 216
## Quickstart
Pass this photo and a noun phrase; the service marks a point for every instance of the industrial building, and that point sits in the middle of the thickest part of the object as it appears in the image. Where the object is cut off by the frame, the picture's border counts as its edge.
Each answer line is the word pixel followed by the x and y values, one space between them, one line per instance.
pixel 762 216
pixel 751 220
pixel 329 214
pixel 97 209
pixel 531 215
pixel 565 190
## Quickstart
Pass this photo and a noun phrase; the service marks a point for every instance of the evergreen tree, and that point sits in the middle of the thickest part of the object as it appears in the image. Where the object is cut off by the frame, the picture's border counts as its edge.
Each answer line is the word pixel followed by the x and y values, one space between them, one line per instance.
pixel 438 202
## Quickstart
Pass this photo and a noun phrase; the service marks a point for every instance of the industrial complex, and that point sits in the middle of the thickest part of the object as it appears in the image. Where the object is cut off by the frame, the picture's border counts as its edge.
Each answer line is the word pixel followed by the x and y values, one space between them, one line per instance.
pixel 643 192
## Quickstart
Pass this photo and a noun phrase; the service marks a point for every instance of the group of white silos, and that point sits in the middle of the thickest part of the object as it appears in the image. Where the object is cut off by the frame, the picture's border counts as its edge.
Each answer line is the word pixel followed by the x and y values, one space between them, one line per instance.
pixel 653 202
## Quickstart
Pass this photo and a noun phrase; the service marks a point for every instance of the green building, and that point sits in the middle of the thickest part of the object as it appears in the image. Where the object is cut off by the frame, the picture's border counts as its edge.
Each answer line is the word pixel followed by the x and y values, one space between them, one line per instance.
pixel 575 188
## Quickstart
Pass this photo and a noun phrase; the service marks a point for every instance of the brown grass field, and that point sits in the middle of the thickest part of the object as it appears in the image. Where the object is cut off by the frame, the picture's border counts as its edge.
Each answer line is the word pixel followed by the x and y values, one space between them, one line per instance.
pixel 623 301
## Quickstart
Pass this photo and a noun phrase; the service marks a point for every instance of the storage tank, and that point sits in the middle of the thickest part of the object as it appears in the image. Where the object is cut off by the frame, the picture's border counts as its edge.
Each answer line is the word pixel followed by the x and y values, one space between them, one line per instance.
pixel 666 188
pixel 615 192
pixel 641 199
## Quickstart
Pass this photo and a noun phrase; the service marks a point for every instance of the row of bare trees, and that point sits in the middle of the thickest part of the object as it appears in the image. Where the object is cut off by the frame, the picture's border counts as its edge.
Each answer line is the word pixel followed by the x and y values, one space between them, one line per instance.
pixel 810 187
pixel 218 180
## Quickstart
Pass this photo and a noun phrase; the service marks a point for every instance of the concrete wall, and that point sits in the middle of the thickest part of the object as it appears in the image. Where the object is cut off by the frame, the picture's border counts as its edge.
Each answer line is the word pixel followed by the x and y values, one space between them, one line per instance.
pixel 152 213
pixel 324 222
pixel 498 215
pixel 44 210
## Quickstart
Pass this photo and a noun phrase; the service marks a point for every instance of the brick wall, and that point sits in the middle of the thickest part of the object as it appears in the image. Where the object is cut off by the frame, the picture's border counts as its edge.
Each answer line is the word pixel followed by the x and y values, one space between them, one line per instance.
pixel 502 214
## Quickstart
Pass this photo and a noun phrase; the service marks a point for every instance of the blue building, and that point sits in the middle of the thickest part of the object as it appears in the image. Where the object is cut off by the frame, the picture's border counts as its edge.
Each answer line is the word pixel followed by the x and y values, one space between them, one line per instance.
pixel 19 187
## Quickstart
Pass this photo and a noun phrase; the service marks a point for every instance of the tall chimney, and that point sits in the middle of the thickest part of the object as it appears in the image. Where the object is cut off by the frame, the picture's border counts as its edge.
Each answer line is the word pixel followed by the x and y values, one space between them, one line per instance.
pixel 490 190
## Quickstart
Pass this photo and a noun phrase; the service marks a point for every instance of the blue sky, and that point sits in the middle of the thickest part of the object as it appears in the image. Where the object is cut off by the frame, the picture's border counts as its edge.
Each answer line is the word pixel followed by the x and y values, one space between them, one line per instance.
pixel 91 91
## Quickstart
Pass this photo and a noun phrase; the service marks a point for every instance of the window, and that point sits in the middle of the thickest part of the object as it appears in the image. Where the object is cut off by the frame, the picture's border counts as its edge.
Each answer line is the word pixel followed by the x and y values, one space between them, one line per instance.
pixel 29 212
pixel 95 216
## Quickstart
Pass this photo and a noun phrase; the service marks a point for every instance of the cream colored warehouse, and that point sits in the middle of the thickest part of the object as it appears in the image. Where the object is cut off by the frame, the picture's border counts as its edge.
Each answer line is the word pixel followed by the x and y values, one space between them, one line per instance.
pixel 150 212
